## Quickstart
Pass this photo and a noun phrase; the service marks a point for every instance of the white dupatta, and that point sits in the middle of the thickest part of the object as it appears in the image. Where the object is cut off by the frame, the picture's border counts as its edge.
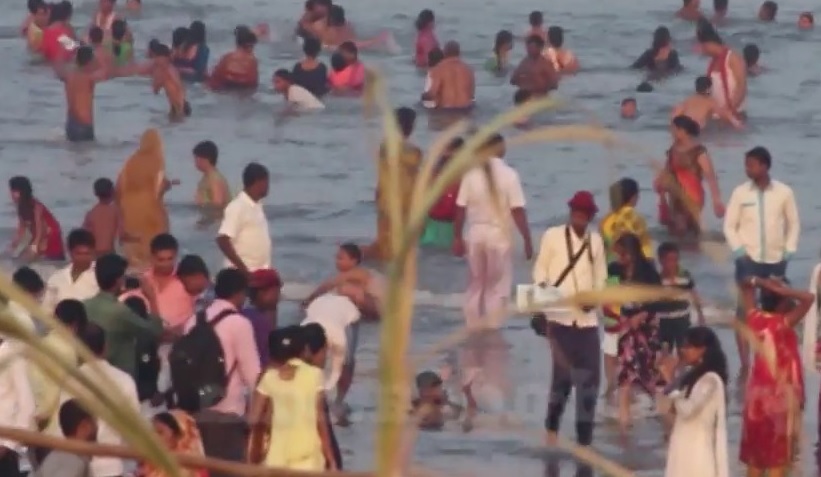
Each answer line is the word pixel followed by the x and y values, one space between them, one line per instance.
pixel 722 457
pixel 811 325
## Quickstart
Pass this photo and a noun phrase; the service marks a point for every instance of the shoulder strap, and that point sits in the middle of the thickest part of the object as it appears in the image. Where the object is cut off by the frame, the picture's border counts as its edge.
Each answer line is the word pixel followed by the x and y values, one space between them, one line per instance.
pixel 572 258
pixel 217 319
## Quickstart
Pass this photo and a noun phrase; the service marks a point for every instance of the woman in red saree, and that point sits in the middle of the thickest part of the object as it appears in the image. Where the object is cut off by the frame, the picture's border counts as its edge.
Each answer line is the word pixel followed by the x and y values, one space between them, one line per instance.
pixel 37 229
pixel 775 391
pixel 680 184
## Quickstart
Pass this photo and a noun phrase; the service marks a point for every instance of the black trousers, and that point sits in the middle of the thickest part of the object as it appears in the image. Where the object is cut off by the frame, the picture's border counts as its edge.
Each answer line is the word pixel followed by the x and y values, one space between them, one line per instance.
pixel 576 354
pixel 224 436
pixel 10 464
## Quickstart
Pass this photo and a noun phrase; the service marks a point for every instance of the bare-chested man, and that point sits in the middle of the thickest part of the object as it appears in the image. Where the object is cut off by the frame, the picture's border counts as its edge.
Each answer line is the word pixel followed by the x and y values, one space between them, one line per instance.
pixel 702 106
pixel 452 81
pixel 535 74
pixel 164 76
pixel 690 11
pixel 79 86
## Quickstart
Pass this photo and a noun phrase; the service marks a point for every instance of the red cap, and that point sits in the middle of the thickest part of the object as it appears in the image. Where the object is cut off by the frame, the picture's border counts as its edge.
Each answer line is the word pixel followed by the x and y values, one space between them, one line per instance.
pixel 264 278
pixel 583 201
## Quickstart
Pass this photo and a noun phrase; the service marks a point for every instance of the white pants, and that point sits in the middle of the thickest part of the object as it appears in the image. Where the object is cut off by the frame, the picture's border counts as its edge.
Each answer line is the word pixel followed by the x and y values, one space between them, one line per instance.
pixel 490 281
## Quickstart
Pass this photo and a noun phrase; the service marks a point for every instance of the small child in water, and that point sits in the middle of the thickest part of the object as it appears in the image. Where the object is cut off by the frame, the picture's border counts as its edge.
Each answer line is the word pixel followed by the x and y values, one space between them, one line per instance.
pixel 751 57
pixel 164 76
pixel 103 220
pixel 629 108
pixel 432 406
pixel 212 190
pixel 806 21
pixel 536 21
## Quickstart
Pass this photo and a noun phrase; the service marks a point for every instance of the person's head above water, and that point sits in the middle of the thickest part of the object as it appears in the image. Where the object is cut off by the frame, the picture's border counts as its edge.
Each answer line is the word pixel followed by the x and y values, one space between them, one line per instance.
pixel 425 20
pixel 311 47
pixel 685 125
pixel 179 37
pixel 708 38
pixel 661 38
pixel 349 51
pixel 806 21
pixel 536 19
pixel 768 11
pixel 245 38
pixel 95 36
pixel 751 55
pixel 85 56
pixel 435 56
pixel 61 12
pixel 555 36
pixel 406 118
pixel 118 29
pixel 336 16
pixel 158 50
pixel 348 256
pixel 629 108
pixel 338 62
pixel 503 42
pixel 282 80
pixel 720 6
pixel 704 85
pixel 452 49
pixel 534 46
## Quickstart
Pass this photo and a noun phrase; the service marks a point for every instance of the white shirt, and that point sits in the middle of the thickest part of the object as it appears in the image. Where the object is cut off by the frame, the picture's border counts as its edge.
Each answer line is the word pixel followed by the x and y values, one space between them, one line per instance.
pixel 489 222
pixel 109 466
pixel 16 398
pixel 763 224
pixel 245 224
pixel 335 313
pixel 61 286
pixel 302 98
pixel 587 274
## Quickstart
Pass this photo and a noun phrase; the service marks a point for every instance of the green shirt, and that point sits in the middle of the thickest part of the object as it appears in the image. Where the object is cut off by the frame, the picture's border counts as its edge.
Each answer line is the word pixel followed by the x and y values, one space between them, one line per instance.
pixel 122 329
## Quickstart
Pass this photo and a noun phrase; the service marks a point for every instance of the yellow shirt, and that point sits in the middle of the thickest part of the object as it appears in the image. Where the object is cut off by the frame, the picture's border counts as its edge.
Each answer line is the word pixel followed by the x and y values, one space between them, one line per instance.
pixel 626 220
pixel 295 442
pixel 46 391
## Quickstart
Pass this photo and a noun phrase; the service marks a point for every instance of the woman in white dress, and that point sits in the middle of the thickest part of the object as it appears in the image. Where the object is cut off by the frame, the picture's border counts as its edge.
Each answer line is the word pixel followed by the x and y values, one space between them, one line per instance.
pixel 698 444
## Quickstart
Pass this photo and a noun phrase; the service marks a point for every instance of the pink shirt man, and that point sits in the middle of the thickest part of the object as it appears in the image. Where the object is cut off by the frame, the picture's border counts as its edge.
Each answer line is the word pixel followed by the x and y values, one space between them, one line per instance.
pixel 175 305
pixel 240 350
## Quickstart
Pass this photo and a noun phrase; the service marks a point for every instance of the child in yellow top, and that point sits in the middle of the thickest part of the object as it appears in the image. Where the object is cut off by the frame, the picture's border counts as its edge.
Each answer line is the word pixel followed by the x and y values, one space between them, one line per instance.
pixel 623 218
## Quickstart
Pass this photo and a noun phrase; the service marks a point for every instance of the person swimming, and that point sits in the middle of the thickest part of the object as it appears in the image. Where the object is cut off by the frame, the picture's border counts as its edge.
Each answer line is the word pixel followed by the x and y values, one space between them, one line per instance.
pixel 768 11
pixel 806 21
pixel 661 58
pixel 564 61
pixel 501 48
pixel 629 108
pixel 751 55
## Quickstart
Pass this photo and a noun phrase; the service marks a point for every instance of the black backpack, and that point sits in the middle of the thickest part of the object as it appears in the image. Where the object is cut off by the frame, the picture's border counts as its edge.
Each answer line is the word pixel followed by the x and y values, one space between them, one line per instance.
pixel 199 373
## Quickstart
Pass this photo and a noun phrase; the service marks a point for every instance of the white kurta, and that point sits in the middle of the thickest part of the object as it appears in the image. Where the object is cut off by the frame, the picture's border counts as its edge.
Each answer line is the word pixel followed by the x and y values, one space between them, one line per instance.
pixel 698 444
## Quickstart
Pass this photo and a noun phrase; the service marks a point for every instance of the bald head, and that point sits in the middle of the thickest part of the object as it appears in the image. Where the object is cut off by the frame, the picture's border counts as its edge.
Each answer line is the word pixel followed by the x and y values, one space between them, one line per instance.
pixel 451 49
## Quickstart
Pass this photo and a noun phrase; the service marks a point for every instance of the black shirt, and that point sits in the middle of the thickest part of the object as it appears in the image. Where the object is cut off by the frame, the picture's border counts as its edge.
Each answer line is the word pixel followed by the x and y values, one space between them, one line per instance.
pixel 315 80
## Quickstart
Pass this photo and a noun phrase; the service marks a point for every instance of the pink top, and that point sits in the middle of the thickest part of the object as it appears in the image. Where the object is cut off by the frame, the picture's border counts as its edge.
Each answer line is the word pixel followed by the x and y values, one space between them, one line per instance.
pixel 175 305
pixel 353 76
pixel 425 42
pixel 240 350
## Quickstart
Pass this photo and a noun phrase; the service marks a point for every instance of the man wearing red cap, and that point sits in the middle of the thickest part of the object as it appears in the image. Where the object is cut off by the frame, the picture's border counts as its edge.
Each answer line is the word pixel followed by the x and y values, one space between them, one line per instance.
pixel 572 259
pixel 488 241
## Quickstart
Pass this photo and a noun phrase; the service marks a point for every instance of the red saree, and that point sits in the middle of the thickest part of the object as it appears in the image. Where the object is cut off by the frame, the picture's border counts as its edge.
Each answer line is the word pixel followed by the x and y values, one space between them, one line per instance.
pixel 683 171
pixel 769 418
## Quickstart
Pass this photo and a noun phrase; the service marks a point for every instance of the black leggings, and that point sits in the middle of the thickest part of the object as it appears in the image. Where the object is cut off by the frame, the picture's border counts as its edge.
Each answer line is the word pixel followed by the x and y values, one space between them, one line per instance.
pixel 576 354
pixel 334 443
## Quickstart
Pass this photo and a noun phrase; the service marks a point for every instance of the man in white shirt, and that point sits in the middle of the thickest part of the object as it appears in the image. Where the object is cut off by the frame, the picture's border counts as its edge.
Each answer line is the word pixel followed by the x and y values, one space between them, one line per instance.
pixel 761 227
pixel 16 404
pixel 488 242
pixel 296 96
pixel 243 237
pixel 572 259
pixel 30 282
pixel 95 340
pixel 76 281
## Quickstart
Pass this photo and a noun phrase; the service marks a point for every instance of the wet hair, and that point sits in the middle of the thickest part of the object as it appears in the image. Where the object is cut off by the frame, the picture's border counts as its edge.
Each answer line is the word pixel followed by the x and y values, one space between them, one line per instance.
pixel 160 50
pixel 627 101
pixel 191 265
pixel 314 337
pixel 118 29
pixel 60 12
pixel 71 312
pixel 425 18
pixel 206 150
pixel 687 124
pixel 666 248
pixel 284 75
pixel 661 38
pixel 536 41
pixel 229 283
pixel 137 305
pixel 703 84
pixel 309 4
pixel 336 16
pixel 435 56
pixel 244 37
pixel 644 272
pixel 720 5
pixel 503 37
pixel 253 173
pixel 751 54
pixel 93 336
pixel 706 33
pixel 770 7
pixel 808 15
pixel 152 44
pixel 350 48
pixel 168 420
pixel 103 188
pixel 71 416
pixel 760 154
pixel 536 19
pixel 95 35
pixel 29 280
pixel 35 6
pixel 406 118
pixel 352 250
pixel 311 47
pixel 555 36
pixel 84 55
pixel 179 37
pixel 338 62
pixel 163 242
pixel 452 49
pixel 713 360
pixel 521 96
pixel 285 344
pixel 80 238
pixel 108 270
pixel 629 189
pixel 196 33
pixel 25 203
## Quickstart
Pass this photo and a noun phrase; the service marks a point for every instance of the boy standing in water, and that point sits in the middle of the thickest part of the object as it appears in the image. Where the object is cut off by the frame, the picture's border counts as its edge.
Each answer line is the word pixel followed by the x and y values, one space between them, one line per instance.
pixel 361 285
pixel 536 20
pixel 702 106
pixel 101 52
pixel 103 220
pixel 212 190
pixel 164 75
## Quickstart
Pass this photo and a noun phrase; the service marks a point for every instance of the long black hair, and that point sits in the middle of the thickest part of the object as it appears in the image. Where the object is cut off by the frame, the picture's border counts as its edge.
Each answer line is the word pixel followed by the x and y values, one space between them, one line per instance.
pixel 25 204
pixel 644 271
pixel 713 360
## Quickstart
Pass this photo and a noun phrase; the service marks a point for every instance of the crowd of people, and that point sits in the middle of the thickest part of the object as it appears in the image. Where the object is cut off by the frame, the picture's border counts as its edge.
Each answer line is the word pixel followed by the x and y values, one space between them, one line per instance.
pixel 204 357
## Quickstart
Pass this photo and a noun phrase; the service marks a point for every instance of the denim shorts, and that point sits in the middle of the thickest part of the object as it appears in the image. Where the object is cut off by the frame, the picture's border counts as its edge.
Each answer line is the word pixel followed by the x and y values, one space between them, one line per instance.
pixel 352 336
pixel 745 267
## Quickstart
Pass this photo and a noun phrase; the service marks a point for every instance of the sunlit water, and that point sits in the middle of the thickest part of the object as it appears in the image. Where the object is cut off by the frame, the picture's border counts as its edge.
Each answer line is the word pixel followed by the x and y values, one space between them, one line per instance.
pixel 323 174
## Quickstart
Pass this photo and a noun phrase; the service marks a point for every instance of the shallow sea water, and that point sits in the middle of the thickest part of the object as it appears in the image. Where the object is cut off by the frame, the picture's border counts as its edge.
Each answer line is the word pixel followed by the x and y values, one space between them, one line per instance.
pixel 323 174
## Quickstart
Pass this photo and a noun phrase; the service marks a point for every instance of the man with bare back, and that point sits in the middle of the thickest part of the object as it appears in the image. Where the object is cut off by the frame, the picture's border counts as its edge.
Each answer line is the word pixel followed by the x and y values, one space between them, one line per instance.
pixel 535 74
pixel 702 106
pixel 452 81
